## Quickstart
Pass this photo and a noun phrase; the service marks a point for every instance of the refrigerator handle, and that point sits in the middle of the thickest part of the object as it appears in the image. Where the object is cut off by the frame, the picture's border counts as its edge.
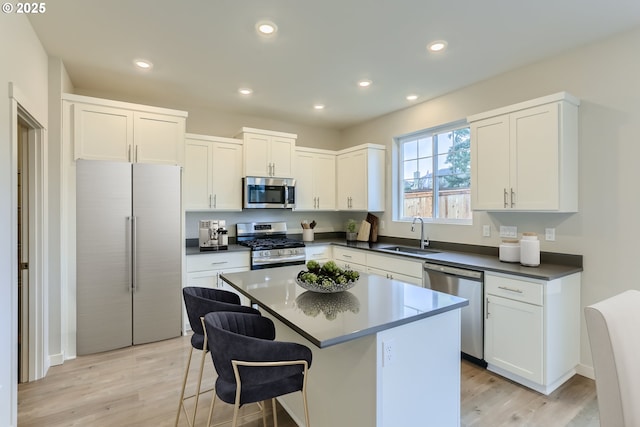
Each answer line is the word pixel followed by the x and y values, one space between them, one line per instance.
pixel 134 285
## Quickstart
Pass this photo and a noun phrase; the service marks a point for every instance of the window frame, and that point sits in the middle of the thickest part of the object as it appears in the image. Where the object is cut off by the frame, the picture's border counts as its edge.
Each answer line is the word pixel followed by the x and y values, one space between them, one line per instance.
pixel 398 176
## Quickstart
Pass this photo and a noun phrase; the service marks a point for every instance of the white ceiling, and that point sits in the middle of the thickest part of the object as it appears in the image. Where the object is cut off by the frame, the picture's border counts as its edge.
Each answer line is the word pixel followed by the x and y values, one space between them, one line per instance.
pixel 204 50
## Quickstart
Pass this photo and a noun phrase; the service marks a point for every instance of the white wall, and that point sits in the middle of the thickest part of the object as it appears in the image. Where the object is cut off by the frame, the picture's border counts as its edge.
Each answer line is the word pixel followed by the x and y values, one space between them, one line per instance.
pixel 24 62
pixel 606 230
pixel 59 83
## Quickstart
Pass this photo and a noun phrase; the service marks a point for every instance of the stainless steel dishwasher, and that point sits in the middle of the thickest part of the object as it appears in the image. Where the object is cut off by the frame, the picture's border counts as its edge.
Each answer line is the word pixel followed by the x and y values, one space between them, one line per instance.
pixel 468 284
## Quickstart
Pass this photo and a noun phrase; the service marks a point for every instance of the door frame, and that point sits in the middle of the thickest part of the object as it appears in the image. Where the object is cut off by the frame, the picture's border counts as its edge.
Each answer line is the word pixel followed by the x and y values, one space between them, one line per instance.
pixel 38 224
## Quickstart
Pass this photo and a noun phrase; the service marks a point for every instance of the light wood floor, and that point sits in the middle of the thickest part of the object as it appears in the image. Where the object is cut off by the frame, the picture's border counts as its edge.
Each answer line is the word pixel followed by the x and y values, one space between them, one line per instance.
pixel 139 386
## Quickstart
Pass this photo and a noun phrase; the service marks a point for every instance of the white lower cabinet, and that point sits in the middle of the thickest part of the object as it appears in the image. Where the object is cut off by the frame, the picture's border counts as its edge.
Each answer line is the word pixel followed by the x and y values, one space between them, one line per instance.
pixel 352 259
pixel 391 267
pixel 532 329
pixel 395 267
pixel 320 253
pixel 204 270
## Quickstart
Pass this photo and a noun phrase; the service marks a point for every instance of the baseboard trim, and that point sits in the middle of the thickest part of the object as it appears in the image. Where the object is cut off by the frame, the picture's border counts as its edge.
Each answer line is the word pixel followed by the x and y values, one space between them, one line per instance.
pixel 56 359
pixel 586 371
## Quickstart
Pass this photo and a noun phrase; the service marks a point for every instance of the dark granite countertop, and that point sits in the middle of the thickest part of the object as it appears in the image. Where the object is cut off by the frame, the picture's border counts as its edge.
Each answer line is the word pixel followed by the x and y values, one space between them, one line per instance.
pixel 472 260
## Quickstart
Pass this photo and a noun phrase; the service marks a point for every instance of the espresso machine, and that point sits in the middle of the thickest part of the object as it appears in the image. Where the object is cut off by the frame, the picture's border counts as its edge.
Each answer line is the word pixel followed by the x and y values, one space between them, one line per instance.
pixel 213 235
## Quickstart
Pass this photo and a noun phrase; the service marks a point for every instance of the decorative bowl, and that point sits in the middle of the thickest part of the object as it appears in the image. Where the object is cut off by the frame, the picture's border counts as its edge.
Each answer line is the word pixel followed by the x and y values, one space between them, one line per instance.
pixel 333 288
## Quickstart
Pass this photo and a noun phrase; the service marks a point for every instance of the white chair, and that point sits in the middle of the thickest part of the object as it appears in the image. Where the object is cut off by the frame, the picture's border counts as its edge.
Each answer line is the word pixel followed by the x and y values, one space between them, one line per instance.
pixel 614 334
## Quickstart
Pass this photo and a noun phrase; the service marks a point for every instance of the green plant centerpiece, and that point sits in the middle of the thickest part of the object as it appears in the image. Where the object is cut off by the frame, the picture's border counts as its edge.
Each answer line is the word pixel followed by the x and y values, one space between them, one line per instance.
pixel 327 278
pixel 352 230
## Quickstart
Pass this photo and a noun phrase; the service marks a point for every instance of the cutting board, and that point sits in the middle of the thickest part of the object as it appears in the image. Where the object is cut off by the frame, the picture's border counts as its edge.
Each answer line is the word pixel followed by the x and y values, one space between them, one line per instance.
pixel 373 220
pixel 363 234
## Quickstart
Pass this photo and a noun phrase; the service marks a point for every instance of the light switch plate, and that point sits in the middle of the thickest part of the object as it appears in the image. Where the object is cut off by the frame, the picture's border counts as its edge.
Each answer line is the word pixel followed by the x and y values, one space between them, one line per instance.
pixel 550 234
pixel 509 231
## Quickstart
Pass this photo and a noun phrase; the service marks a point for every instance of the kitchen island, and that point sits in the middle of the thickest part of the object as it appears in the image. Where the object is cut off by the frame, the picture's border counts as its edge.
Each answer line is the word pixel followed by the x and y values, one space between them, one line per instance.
pixel 385 353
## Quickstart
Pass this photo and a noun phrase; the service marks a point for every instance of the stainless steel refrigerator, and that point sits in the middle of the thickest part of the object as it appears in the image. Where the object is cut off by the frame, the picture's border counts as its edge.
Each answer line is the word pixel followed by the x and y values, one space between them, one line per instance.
pixel 128 254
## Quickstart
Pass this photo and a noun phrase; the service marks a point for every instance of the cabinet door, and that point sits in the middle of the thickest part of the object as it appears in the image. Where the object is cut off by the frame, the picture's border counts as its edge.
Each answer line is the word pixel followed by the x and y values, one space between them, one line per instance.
pixel 256 155
pixel 101 133
pixel 281 157
pixel 324 172
pixel 352 188
pixel 490 188
pixel 226 177
pixel 198 175
pixel 513 337
pixel 304 173
pixel 159 138
pixel 535 158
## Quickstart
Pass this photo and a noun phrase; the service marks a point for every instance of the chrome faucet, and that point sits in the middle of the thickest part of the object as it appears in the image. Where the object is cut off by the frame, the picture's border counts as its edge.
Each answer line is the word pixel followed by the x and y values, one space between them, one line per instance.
pixel 423 242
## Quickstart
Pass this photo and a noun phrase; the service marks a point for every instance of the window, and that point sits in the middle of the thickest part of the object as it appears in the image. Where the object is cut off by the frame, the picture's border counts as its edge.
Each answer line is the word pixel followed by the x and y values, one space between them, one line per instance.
pixel 435 173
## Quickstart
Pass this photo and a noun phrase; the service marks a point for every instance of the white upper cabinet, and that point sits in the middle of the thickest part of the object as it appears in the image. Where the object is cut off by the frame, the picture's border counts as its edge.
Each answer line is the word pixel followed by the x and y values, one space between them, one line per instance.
pixel 268 153
pixel 119 131
pixel 315 173
pixel 525 157
pixel 212 173
pixel 158 138
pixel 360 178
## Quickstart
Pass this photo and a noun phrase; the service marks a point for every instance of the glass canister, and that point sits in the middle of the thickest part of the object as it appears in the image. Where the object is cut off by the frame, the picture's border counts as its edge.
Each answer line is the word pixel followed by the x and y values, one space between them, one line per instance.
pixel 510 251
pixel 530 250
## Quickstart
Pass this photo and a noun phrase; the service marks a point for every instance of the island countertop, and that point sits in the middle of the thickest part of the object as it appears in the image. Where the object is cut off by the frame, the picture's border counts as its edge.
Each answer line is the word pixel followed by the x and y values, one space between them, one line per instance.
pixel 374 304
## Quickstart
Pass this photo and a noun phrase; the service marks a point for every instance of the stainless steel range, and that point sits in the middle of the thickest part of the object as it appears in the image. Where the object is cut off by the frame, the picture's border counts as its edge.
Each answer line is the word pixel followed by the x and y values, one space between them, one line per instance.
pixel 270 246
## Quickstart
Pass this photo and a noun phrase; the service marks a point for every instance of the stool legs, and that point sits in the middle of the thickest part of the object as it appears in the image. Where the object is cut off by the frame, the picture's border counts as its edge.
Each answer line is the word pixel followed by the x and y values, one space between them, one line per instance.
pixel 184 385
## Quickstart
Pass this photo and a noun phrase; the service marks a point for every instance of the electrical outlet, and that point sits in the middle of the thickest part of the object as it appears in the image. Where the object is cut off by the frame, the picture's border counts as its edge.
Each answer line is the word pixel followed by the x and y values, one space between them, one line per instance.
pixel 486 231
pixel 510 232
pixel 382 224
pixel 388 352
pixel 550 234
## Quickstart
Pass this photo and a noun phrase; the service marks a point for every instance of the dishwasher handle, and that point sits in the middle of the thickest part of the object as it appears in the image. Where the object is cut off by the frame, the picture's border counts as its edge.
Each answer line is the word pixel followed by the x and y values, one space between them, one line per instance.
pixel 454 271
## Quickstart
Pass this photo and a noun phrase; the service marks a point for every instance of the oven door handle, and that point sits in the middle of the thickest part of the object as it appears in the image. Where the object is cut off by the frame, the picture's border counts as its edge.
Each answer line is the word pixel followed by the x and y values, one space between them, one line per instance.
pixel 277 259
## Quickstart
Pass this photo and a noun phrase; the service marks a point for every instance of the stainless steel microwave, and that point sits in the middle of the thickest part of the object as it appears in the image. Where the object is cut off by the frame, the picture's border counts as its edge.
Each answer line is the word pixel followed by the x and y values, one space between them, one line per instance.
pixel 267 193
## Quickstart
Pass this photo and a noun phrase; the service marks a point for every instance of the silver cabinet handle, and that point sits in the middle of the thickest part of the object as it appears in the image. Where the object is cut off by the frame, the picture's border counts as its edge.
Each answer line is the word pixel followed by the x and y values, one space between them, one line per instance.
pixel 134 255
pixel 215 200
pixel 210 205
pixel 504 198
pixel 137 152
pixel 318 206
pixel 513 197
pixel 346 256
pixel 219 262
pixel 506 288
pixel 130 249
pixel 129 153
pixel 486 308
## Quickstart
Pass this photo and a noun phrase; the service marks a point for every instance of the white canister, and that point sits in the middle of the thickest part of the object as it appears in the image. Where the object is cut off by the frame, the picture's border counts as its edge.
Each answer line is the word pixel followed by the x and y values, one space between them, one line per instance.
pixel 307 234
pixel 510 251
pixel 530 250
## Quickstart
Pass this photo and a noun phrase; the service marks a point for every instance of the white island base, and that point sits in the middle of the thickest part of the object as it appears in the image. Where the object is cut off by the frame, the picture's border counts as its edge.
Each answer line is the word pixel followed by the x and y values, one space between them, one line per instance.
pixel 354 384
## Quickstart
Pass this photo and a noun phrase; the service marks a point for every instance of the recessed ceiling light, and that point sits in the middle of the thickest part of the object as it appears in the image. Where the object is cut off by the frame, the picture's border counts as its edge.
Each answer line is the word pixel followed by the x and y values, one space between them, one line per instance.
pixel 364 83
pixel 245 91
pixel 266 28
pixel 412 97
pixel 437 46
pixel 318 107
pixel 143 64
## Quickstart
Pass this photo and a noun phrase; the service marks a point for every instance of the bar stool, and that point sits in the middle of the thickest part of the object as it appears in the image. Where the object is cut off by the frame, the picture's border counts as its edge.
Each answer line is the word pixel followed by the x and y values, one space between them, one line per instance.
pixel 251 366
pixel 198 302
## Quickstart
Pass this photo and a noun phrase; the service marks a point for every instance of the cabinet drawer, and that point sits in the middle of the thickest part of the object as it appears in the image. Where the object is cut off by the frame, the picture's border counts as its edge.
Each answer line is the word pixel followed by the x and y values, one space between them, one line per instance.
pixel 350 255
pixel 528 291
pixel 318 252
pixel 217 261
pixel 396 264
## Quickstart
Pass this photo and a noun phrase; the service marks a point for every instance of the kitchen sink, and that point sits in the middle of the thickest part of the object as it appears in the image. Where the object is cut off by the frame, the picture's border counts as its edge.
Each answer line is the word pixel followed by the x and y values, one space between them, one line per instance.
pixel 408 250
